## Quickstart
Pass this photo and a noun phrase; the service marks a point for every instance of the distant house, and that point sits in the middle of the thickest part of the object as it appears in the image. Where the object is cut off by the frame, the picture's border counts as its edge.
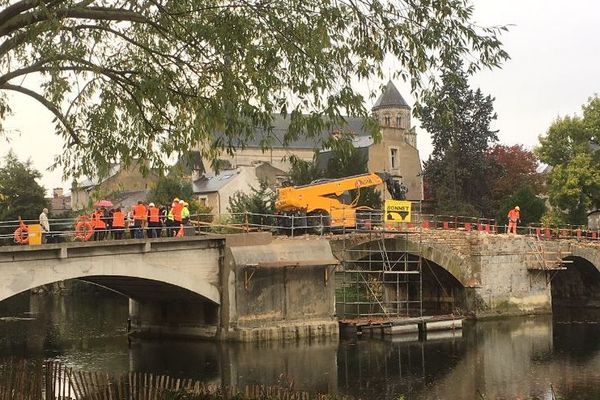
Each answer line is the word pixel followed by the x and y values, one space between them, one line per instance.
pixel 396 153
pixel 593 218
pixel 124 186
pixel 215 190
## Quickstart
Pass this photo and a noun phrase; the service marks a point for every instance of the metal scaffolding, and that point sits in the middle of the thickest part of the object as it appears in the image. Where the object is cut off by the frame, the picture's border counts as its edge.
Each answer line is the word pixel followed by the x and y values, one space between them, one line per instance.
pixel 377 282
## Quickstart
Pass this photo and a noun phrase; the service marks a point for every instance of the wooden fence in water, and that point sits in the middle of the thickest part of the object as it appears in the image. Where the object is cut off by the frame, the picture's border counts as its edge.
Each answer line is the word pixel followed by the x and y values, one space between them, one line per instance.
pixel 22 380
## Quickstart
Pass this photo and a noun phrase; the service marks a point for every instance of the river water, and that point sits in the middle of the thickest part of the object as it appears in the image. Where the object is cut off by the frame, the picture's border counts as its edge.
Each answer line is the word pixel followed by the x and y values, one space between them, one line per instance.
pixel 521 358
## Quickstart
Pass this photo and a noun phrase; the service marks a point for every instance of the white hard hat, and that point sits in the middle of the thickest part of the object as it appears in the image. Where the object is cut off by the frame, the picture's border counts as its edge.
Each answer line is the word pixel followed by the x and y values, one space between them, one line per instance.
pixel 181 201
pixel 151 205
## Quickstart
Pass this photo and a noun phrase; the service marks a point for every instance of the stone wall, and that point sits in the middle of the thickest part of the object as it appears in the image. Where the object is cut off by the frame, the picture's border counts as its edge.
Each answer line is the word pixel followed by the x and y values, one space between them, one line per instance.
pixel 507 285
pixel 279 290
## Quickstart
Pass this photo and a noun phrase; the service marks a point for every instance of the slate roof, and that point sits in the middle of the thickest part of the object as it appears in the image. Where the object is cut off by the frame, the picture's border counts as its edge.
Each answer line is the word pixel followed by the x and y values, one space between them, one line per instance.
pixel 390 98
pixel 210 184
pixel 95 181
pixel 281 124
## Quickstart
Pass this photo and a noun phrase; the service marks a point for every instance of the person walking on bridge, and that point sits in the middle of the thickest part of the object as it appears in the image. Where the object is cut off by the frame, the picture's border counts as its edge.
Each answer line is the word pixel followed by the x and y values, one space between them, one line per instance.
pixel 45 224
pixel 514 216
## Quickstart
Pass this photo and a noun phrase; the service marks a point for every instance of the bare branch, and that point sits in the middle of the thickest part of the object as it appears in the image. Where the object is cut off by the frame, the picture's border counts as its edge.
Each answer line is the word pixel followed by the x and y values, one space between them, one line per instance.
pixel 48 105
pixel 16 9
pixel 95 13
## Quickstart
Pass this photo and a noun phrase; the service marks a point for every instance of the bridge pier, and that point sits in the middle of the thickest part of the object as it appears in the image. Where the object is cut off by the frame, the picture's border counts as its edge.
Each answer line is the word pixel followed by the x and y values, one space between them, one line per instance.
pixel 278 289
pixel 179 318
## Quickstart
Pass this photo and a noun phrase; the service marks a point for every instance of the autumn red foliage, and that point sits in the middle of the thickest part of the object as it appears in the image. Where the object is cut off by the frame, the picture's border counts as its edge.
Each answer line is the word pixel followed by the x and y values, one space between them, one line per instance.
pixel 512 167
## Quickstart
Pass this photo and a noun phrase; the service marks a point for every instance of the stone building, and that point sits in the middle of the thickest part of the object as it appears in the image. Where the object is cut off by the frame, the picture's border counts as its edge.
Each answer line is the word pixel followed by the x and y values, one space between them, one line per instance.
pixel 123 185
pixel 59 203
pixel 396 153
pixel 215 190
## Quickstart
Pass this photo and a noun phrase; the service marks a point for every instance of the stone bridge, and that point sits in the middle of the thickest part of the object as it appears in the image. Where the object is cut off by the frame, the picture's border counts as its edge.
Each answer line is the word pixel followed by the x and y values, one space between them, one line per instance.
pixel 259 287
pixel 485 274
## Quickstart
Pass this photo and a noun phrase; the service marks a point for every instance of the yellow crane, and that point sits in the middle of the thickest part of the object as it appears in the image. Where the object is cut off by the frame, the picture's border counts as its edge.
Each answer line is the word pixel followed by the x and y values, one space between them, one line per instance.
pixel 327 204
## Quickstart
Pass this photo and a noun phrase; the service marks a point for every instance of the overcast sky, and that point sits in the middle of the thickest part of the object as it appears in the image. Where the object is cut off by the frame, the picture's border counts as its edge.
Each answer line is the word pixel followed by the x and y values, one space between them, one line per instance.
pixel 555 66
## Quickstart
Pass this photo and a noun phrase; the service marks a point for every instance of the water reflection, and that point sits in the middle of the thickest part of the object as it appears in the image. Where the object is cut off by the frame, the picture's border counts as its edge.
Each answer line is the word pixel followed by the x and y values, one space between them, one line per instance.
pixel 506 359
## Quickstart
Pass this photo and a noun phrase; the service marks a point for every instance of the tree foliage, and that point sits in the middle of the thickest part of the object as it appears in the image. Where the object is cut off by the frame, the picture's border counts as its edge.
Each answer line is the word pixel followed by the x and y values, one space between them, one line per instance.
pixel 342 160
pixel 532 207
pixel 513 179
pixel 169 187
pixel 571 147
pixel 135 79
pixel 20 193
pixel 303 172
pixel 174 185
pixel 510 168
pixel 253 207
pixel 458 119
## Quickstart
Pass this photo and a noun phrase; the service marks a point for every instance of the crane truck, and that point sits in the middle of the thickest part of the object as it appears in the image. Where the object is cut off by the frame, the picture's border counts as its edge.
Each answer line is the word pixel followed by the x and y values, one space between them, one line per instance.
pixel 326 204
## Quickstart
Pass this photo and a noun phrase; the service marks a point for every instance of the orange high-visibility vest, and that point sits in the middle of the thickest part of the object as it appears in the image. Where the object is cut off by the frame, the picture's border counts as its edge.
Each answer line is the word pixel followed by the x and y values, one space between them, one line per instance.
pixel 139 212
pixel 177 211
pixel 514 215
pixel 153 214
pixel 118 219
pixel 97 221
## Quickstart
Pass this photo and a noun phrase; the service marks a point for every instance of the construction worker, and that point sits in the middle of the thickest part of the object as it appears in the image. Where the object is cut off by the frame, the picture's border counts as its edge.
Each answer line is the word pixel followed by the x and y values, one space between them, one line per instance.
pixel 170 221
pixel 108 220
pixel 176 209
pixel 118 223
pixel 185 213
pixel 514 216
pixel 164 212
pixel 139 219
pixel 99 224
pixel 153 221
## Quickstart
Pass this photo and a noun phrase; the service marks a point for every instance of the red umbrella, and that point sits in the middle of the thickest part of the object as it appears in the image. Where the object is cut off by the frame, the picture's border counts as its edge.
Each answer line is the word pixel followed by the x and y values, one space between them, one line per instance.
pixel 104 203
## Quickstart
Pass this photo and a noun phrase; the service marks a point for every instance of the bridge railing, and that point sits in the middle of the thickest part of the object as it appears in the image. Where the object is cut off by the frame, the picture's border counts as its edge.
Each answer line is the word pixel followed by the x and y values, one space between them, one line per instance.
pixel 63 229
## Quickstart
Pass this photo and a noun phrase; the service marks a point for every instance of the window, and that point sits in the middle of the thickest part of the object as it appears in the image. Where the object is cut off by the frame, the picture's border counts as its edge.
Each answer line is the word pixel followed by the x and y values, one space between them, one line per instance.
pixel 393 158
pixel 398 121
pixel 386 120
pixel 202 200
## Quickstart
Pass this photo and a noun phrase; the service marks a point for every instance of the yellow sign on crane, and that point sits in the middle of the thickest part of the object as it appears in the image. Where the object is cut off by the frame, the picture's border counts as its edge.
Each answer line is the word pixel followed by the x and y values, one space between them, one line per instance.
pixel 397 211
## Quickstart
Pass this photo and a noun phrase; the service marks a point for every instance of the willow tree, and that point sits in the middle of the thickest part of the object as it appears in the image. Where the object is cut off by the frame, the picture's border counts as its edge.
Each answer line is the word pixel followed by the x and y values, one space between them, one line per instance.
pixel 130 79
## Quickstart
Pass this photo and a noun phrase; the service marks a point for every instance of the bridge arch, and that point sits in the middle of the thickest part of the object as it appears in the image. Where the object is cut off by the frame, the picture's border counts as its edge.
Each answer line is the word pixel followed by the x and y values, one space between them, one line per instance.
pixel 577 286
pixel 127 284
pixel 191 265
pixel 444 280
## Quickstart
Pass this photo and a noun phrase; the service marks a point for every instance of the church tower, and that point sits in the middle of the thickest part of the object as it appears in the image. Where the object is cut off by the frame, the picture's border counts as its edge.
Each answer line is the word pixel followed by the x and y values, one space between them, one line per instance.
pixel 393 114
pixel 397 151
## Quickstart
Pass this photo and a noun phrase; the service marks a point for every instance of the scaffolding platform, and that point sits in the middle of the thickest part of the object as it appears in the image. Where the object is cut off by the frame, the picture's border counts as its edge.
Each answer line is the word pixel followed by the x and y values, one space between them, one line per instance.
pixel 420 326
